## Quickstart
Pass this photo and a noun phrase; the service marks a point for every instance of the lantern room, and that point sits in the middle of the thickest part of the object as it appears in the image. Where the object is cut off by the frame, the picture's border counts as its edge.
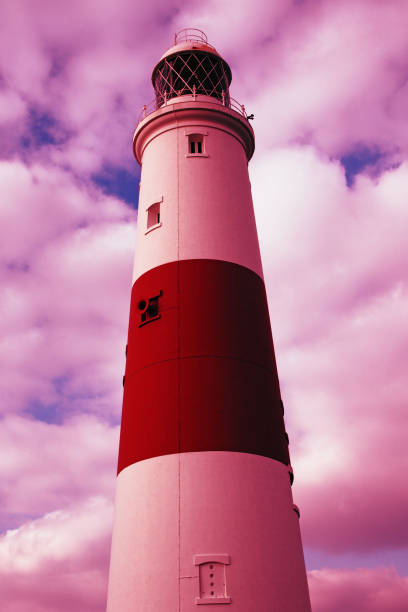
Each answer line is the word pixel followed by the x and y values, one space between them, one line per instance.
pixel 191 67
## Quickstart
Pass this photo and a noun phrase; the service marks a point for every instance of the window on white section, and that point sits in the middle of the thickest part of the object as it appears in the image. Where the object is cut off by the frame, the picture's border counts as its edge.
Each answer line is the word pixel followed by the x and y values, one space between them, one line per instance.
pixel 196 144
pixel 153 216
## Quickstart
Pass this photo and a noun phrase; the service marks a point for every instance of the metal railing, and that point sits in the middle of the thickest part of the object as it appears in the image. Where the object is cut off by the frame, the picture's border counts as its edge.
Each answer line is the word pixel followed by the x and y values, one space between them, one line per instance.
pixel 193 34
pixel 226 101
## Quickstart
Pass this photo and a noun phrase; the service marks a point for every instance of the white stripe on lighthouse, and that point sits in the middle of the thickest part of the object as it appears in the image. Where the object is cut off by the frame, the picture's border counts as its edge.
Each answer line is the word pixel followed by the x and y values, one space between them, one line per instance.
pixel 206 209
pixel 172 508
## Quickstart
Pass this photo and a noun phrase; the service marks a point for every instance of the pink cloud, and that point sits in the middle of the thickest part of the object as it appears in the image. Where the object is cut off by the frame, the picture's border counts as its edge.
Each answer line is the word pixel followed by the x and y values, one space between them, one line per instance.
pixel 58 562
pixel 73 247
pixel 361 590
pixel 336 280
pixel 12 107
pixel 44 466
pixel 84 65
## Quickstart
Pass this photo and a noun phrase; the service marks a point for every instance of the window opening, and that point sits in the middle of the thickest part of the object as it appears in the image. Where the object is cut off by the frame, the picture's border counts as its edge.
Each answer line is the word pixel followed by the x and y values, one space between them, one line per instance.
pixel 149 309
pixel 153 215
pixel 196 144
pixel 291 475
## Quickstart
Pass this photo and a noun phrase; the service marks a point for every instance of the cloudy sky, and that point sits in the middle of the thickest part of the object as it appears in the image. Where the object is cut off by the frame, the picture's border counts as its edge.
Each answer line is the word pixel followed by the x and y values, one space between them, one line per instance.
pixel 328 84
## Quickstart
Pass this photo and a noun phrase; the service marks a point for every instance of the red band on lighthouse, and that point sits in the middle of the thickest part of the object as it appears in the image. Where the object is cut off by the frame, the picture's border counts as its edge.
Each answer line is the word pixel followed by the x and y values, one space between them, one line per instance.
pixel 201 372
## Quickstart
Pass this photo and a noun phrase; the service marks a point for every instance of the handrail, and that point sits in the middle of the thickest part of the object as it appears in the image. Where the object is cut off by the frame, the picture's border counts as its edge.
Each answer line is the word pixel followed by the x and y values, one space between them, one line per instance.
pixel 193 34
pixel 153 106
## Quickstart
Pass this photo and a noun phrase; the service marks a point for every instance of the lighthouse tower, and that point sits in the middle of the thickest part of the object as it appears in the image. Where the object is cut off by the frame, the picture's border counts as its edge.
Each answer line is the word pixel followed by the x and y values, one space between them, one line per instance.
pixel 204 512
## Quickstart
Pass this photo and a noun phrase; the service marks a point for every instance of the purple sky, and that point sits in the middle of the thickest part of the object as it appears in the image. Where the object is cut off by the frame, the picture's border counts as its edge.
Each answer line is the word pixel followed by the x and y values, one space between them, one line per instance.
pixel 328 84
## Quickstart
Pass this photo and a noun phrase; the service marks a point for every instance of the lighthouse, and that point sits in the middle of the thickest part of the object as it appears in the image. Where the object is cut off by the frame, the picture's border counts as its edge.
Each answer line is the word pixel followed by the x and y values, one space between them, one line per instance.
pixel 204 514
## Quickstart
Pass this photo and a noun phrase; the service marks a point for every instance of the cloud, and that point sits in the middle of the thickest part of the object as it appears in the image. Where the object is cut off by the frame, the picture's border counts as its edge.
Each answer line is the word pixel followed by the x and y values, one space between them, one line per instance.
pixel 58 562
pixel 65 263
pixel 12 107
pixel 44 466
pixel 335 270
pixel 84 66
pixel 361 590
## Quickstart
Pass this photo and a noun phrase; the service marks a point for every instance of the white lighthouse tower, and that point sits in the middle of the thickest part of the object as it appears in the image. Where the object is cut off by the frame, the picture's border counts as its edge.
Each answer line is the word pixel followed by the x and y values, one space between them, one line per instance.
pixel 204 511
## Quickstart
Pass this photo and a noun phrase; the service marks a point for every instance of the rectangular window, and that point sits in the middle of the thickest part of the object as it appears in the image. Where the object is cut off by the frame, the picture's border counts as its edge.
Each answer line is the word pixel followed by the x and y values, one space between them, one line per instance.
pixel 196 144
pixel 153 215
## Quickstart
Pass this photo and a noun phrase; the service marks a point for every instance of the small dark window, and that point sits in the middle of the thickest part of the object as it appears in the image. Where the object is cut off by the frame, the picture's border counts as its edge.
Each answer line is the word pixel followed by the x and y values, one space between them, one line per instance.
pixel 196 145
pixel 291 475
pixel 149 310
pixel 152 309
pixel 153 215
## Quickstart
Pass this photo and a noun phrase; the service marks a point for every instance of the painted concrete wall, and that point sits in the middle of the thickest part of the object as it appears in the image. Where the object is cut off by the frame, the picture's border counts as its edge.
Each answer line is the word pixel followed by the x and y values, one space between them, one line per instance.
pixel 172 508
pixel 206 207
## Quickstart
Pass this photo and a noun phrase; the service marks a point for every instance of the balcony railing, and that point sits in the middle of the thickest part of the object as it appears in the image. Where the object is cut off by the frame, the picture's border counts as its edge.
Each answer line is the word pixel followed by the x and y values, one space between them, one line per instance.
pixel 226 101
pixel 190 35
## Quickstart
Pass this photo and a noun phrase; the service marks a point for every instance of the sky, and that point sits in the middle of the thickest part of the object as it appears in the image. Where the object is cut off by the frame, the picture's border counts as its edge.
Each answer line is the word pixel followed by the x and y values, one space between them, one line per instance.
pixel 328 85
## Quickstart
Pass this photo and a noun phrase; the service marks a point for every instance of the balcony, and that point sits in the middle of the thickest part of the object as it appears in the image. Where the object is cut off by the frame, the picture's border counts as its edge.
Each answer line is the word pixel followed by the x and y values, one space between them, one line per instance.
pixel 189 95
